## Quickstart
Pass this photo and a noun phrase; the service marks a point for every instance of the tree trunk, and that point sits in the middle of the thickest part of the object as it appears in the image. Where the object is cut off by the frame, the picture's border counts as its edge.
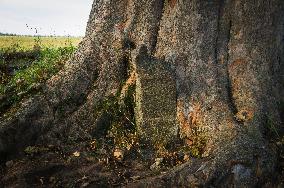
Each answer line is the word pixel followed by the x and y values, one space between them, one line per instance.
pixel 222 62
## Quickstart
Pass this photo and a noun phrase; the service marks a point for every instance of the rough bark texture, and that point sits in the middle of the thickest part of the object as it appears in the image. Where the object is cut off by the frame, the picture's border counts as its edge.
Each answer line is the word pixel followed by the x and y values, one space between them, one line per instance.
pixel 227 58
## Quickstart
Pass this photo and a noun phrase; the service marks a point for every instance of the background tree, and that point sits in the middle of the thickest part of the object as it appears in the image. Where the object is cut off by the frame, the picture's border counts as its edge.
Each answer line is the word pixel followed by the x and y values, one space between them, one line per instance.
pixel 227 58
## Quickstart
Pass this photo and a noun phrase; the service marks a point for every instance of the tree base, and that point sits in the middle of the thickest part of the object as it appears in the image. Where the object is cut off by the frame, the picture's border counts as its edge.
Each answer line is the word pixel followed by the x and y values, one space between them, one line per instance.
pixel 53 167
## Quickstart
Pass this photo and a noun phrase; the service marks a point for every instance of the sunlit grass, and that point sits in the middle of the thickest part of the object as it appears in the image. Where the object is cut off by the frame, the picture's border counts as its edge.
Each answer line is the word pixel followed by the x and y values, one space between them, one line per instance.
pixel 22 75
pixel 23 43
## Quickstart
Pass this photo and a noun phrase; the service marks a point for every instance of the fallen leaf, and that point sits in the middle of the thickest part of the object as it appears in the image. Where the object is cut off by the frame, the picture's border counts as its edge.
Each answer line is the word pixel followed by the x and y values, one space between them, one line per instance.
pixel 118 154
pixel 186 158
pixel 188 142
pixel 76 154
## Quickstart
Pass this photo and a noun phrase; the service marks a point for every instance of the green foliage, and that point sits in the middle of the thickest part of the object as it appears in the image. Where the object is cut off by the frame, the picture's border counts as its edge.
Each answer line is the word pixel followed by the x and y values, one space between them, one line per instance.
pixel 197 148
pixel 121 129
pixel 28 80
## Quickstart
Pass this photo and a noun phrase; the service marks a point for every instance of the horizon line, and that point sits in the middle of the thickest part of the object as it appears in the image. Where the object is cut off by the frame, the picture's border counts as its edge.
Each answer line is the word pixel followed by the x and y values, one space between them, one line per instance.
pixel 38 35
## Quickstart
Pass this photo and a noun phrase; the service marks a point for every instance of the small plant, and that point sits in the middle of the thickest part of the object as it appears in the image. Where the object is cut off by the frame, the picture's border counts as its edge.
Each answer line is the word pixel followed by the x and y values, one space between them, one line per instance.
pixel 121 130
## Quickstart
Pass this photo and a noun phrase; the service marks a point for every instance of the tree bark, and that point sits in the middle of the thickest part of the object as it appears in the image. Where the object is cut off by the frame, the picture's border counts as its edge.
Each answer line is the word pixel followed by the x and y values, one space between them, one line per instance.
pixel 227 60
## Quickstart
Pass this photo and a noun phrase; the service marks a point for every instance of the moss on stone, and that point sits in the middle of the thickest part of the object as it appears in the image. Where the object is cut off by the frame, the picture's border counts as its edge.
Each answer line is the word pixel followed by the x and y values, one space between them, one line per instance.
pixel 155 109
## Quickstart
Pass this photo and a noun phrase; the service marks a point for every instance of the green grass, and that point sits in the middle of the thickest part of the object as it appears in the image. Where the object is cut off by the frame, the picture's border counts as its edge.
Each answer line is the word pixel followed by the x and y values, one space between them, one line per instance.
pixel 46 56
pixel 24 43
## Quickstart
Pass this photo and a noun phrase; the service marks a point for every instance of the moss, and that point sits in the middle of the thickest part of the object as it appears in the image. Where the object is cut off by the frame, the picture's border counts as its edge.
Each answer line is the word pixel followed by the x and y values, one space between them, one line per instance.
pixel 32 150
pixel 155 109
pixel 120 128
pixel 199 141
pixel 123 128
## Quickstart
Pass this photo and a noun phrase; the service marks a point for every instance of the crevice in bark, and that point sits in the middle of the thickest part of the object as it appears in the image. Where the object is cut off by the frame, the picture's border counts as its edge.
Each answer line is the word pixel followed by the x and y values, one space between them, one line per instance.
pixel 224 26
pixel 68 106
pixel 75 103
pixel 3 157
pixel 221 7
pixel 128 44
pixel 231 101
pixel 281 76
pixel 9 135
pixel 157 29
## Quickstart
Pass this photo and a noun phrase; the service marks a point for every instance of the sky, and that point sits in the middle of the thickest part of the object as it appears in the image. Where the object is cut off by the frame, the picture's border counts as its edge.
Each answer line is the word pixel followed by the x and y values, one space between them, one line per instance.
pixel 50 17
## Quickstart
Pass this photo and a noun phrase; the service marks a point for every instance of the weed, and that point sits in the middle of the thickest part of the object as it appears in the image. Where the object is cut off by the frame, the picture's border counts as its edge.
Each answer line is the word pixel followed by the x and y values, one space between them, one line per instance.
pixel 121 129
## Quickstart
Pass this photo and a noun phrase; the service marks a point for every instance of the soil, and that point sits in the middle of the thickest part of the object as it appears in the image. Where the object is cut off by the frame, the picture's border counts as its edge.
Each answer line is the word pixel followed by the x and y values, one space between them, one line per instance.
pixel 79 166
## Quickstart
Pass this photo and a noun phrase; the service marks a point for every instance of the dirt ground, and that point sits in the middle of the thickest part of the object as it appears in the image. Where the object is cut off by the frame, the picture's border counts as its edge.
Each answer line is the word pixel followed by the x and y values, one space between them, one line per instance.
pixel 82 166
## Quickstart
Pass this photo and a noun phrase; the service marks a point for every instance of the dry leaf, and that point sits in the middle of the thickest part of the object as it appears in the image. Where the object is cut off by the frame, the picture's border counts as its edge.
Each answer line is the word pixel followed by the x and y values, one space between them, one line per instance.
pixel 186 158
pixel 118 154
pixel 188 142
pixel 76 154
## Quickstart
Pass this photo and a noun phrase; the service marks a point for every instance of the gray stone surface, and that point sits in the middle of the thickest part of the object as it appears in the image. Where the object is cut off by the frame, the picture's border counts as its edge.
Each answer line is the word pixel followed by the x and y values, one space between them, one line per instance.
pixel 155 99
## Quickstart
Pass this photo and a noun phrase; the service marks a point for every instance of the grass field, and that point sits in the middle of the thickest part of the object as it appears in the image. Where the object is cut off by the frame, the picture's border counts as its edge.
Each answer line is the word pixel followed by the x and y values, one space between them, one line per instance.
pixel 27 62
pixel 24 43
